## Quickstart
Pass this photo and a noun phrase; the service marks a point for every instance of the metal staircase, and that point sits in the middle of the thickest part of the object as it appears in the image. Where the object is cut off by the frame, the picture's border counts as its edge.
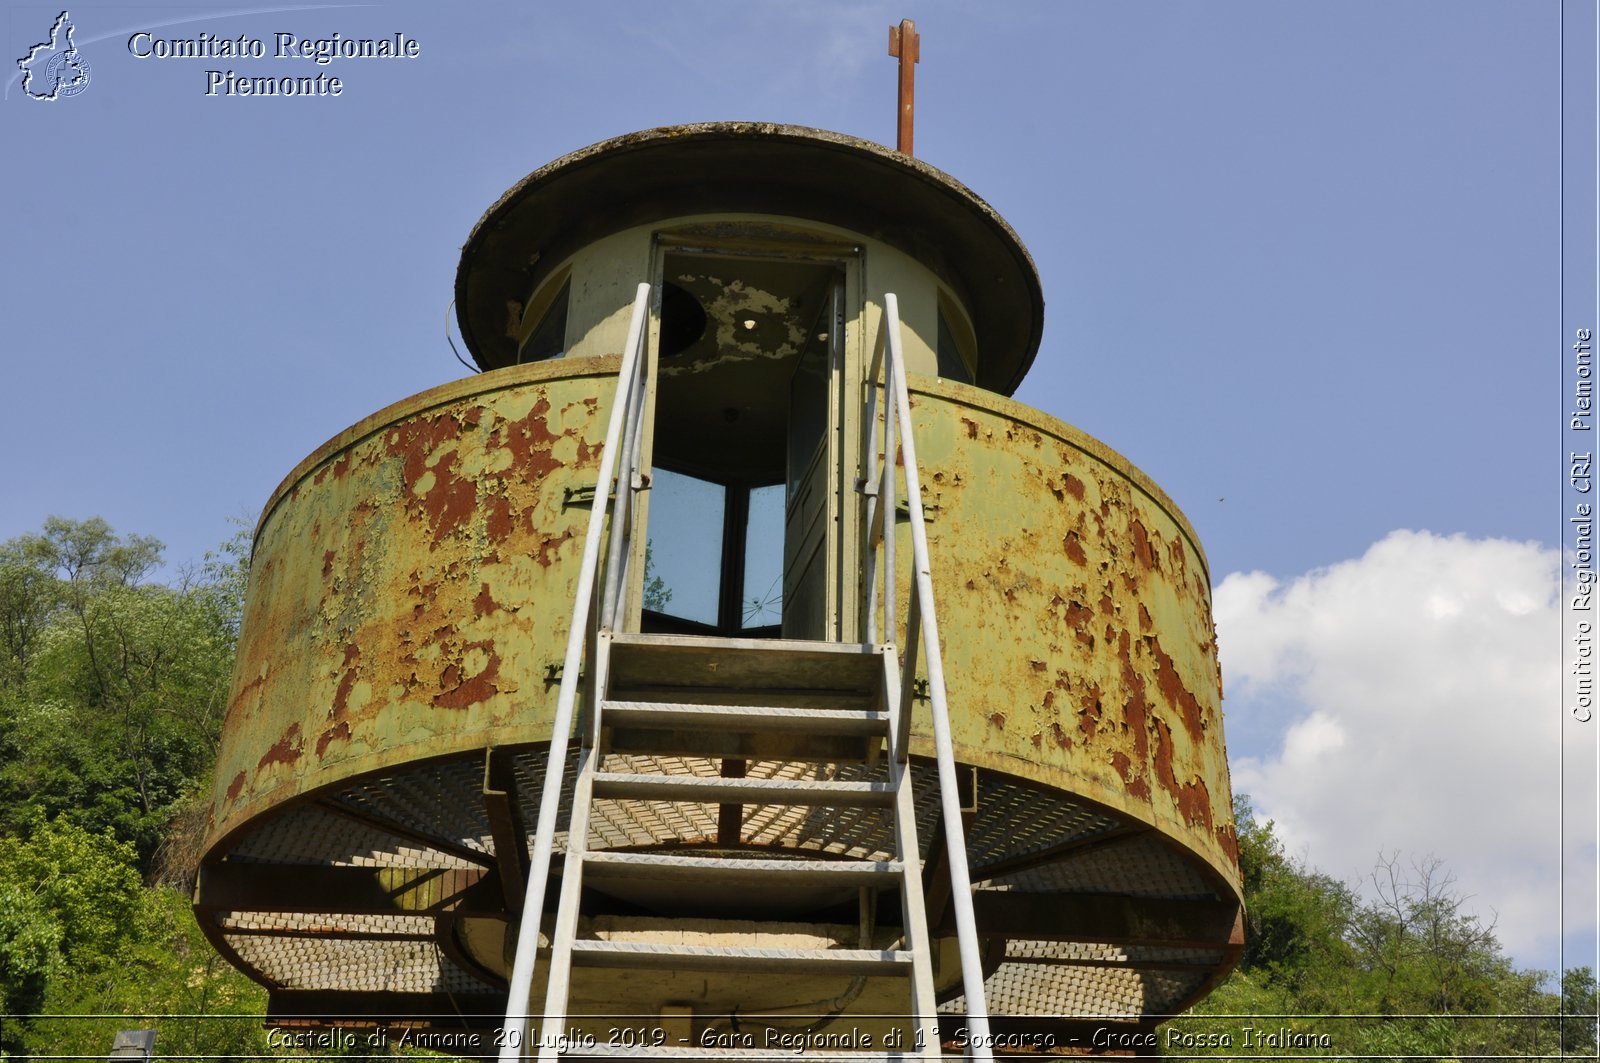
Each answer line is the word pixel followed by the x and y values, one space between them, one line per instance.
pixel 655 700
pixel 735 699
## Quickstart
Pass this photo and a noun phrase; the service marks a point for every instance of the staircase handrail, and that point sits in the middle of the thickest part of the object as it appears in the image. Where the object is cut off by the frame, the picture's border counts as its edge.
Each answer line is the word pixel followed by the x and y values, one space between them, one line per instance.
pixel 922 632
pixel 588 613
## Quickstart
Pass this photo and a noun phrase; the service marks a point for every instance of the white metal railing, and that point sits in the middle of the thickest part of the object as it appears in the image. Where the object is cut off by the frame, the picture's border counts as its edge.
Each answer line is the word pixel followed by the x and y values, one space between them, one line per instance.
pixel 922 632
pixel 590 614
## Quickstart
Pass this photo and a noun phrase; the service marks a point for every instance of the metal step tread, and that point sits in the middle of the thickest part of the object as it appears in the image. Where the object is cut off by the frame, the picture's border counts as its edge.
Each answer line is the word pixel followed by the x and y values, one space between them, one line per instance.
pixel 662 956
pixel 693 663
pixel 822 792
pixel 606 866
pixel 662 715
pixel 626 640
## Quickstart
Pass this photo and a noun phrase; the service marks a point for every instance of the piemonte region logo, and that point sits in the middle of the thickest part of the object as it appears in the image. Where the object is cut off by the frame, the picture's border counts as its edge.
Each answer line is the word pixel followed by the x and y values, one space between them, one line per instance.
pixel 55 69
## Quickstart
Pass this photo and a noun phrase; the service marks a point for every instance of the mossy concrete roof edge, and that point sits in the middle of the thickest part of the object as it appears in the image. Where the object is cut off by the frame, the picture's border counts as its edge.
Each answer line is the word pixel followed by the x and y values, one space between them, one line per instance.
pixel 760 168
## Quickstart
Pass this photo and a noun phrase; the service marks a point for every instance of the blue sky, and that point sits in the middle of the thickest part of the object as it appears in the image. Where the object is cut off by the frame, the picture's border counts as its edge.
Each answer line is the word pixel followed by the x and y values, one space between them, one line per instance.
pixel 1301 263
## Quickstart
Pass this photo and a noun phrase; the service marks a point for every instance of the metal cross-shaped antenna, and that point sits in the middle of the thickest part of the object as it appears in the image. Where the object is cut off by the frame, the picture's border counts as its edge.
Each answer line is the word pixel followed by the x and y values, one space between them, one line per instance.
pixel 906 45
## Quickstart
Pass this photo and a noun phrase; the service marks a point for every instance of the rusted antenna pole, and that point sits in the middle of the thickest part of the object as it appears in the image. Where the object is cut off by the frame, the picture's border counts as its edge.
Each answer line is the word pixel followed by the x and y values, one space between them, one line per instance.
pixel 906 45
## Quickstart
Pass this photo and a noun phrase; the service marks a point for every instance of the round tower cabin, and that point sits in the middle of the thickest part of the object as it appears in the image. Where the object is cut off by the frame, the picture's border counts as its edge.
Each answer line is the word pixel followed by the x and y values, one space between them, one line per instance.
pixel 374 825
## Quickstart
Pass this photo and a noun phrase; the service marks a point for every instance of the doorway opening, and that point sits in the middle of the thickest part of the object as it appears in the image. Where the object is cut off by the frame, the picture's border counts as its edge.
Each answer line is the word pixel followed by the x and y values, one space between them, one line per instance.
pixel 746 394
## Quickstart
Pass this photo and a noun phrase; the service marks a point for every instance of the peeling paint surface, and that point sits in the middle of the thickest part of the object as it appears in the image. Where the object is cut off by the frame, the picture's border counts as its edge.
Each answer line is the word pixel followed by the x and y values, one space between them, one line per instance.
pixel 414 579
pixel 410 583
pixel 1075 611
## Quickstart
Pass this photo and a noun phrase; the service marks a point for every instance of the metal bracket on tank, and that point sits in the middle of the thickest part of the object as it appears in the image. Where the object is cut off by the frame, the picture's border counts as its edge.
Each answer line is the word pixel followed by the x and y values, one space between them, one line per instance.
pixel 553 671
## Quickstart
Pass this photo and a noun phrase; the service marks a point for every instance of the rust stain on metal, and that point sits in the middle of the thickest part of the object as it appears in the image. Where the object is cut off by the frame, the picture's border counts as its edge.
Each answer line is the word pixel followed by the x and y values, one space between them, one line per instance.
pixel 1074 549
pixel 549 545
pixel 407 583
pixel 1142 548
pixel 1089 716
pixel 484 603
pixel 498 522
pixel 349 667
pixel 1134 780
pixel 432 478
pixel 340 731
pixel 337 469
pixel 1078 646
pixel 1194 801
pixel 1177 695
pixel 286 750
pixel 1228 840
pixel 1135 710
pixel 1059 736
pixel 1178 564
pixel 463 690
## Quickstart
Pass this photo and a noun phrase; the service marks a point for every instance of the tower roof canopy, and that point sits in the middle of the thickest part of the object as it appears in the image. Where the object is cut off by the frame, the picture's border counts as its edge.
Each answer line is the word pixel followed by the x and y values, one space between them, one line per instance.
pixel 756 168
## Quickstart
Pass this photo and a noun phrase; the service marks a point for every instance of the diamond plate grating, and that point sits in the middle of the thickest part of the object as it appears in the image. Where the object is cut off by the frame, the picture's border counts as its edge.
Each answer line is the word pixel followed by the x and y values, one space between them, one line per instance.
pixel 527 770
pixel 308 834
pixel 1088 992
pixel 445 803
pixel 862 833
pixel 323 922
pixel 1016 818
pixel 1139 867
pixel 1133 955
pixel 442 799
pixel 353 964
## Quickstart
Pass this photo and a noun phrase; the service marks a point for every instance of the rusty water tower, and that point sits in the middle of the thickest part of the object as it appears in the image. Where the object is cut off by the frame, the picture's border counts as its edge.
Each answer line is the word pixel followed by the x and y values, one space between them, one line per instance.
pixel 705 616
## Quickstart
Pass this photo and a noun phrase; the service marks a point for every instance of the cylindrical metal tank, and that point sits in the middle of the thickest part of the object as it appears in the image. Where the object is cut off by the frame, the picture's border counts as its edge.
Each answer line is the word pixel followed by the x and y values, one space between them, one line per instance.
pixel 412 587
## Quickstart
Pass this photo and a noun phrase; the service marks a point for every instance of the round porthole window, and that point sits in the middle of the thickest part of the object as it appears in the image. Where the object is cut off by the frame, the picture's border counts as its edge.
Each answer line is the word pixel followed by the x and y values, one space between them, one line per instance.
pixel 683 320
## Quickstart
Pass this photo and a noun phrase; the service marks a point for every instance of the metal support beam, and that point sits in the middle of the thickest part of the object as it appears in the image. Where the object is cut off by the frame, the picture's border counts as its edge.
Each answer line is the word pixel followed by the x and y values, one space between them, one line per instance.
pixel 1103 919
pixel 242 887
pixel 505 826
pixel 1069 848
pixel 399 830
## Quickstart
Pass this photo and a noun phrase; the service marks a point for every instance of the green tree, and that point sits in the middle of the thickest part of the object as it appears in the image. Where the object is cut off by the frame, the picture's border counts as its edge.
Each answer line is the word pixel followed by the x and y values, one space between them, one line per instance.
pixel 1580 1010
pixel 81 935
pixel 112 687
pixel 112 691
pixel 69 899
pixel 656 592
pixel 1296 918
pixel 1415 972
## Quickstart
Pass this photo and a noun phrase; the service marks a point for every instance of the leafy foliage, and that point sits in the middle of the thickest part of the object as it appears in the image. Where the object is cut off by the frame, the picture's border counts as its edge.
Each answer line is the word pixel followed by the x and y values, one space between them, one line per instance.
pixel 112 691
pixel 81 935
pixel 112 688
pixel 1403 970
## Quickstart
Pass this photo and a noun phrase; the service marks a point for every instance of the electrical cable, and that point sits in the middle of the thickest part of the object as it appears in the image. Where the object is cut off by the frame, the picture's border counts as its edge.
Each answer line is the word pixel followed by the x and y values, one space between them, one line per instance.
pixel 452 342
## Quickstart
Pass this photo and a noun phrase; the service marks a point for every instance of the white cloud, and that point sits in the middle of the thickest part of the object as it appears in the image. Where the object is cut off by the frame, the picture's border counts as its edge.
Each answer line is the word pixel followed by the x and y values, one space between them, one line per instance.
pixel 1413 699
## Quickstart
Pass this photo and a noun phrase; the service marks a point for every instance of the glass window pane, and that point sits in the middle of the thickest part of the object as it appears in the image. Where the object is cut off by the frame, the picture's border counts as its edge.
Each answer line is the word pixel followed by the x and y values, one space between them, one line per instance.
pixel 808 410
pixel 761 604
pixel 952 364
pixel 683 555
pixel 549 337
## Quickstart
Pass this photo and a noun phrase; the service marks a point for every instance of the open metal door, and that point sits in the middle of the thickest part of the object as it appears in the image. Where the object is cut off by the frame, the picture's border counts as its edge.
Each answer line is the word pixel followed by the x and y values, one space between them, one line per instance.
pixel 811 574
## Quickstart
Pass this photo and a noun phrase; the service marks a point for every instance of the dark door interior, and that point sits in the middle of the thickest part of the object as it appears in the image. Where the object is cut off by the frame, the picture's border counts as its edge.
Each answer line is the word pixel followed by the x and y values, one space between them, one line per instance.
pixel 743 372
